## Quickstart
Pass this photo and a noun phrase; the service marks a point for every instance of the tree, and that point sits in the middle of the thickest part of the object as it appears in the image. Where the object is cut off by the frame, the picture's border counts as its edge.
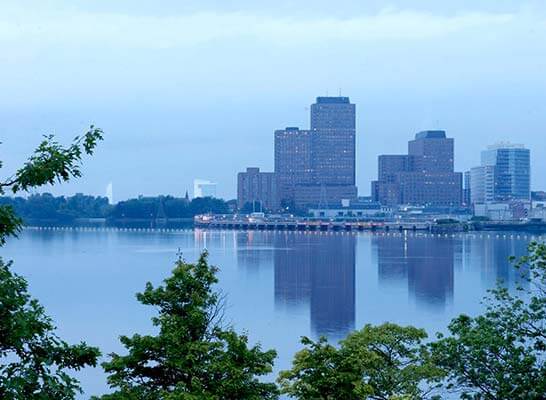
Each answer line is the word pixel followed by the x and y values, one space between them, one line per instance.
pixel 502 353
pixel 193 356
pixel 34 362
pixel 377 362
pixel 50 163
pixel 34 359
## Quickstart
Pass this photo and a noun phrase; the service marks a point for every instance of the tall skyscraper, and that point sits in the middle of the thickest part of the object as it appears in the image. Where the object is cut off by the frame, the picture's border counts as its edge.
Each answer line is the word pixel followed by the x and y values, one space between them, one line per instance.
pixel 467 189
pixel 504 174
pixel 254 186
pixel 333 124
pixel 425 176
pixel 317 166
pixel 292 162
pixel 432 152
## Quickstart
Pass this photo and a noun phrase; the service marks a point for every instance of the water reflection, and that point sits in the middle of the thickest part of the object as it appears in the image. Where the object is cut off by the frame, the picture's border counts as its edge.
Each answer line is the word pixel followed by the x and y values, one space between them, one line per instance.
pixel 426 265
pixel 318 271
pixel 280 285
pixel 314 274
pixel 492 257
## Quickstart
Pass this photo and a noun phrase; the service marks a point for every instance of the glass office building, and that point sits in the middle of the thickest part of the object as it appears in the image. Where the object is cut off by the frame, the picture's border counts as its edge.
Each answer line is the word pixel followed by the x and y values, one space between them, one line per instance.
pixel 504 174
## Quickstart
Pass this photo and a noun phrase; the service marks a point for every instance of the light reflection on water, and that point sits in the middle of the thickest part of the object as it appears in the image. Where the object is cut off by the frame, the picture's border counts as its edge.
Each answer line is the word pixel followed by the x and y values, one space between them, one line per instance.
pixel 280 285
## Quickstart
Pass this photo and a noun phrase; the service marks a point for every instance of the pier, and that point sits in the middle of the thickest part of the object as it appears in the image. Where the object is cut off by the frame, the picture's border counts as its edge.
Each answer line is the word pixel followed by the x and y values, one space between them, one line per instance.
pixel 305 224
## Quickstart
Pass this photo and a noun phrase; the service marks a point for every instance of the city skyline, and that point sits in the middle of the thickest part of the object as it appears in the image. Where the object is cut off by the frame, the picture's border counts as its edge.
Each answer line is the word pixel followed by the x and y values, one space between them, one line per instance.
pixel 318 165
pixel 179 98
pixel 425 176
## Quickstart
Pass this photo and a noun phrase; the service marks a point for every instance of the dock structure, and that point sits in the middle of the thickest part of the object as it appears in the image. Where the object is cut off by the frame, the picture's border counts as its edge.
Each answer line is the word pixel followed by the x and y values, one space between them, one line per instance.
pixel 304 224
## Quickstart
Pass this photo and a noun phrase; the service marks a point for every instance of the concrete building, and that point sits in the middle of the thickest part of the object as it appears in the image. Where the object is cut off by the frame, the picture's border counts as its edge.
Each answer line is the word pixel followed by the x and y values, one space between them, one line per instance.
pixel 467 202
pixel 203 188
pixel 254 187
pixel 292 161
pixel 334 141
pixel 318 166
pixel 348 210
pixel 503 176
pixel 425 176
pixel 506 211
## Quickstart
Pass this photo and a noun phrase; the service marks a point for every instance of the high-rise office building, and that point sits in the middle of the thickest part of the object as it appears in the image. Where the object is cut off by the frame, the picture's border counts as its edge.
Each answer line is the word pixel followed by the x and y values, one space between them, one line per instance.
pixel 504 174
pixel 334 127
pixel 425 176
pixel 317 166
pixel 257 188
pixel 432 152
pixel 292 162
pixel 467 189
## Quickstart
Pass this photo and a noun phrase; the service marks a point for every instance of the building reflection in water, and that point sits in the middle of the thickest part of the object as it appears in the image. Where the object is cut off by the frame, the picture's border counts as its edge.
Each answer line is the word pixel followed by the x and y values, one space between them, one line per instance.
pixel 426 264
pixel 317 270
pixel 491 253
pixel 254 249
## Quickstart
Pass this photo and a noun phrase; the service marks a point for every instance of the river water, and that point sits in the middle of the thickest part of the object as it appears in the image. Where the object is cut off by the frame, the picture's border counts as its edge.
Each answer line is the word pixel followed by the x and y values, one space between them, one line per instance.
pixel 279 285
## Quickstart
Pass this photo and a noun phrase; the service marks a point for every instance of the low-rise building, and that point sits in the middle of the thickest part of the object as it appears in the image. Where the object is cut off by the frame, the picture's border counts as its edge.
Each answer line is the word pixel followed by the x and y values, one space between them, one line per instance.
pixel 351 210
pixel 424 177
pixel 258 187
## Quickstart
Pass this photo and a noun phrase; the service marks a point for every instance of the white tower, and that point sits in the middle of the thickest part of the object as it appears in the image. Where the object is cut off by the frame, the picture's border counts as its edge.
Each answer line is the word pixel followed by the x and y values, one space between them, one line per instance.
pixel 110 193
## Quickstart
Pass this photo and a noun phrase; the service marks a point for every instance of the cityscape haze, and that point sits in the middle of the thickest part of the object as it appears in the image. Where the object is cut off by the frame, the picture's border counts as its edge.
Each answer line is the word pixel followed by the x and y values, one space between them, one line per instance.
pixel 204 78
pixel 313 199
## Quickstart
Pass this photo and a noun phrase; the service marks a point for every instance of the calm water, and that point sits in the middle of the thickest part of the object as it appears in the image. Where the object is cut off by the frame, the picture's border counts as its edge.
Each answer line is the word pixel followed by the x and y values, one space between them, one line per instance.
pixel 280 286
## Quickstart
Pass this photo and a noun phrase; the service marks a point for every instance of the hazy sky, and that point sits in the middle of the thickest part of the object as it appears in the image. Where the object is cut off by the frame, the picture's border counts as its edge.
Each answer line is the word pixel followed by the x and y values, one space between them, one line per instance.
pixel 195 89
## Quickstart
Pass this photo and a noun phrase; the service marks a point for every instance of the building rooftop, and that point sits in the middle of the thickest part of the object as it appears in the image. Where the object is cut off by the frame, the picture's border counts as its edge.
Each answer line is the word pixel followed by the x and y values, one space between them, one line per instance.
pixel 431 135
pixel 332 100
pixel 505 145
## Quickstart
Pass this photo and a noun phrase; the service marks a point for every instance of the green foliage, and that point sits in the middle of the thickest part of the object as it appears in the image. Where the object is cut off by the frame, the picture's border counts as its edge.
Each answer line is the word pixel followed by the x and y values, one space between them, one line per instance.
pixel 10 223
pixel 35 362
pixel 148 207
pixel 50 163
pixel 502 353
pixel 192 356
pixel 377 362
pixel 63 209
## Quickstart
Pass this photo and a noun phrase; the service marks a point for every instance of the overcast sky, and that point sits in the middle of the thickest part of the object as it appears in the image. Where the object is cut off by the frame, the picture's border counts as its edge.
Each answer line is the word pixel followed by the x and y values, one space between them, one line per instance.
pixel 195 89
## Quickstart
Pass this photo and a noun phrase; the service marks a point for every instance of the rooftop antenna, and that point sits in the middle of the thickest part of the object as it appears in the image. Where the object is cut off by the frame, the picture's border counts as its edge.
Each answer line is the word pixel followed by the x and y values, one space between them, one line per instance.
pixel 339 92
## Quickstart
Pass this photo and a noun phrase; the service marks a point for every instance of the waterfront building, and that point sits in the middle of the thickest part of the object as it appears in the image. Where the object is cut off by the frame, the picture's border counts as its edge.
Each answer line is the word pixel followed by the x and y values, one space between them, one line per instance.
pixel 317 166
pixel 539 195
pixel 334 139
pixel 203 188
pixel 503 176
pixel 504 211
pixel 467 189
pixel 292 162
pixel 352 210
pixel 386 190
pixel 254 186
pixel 425 176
